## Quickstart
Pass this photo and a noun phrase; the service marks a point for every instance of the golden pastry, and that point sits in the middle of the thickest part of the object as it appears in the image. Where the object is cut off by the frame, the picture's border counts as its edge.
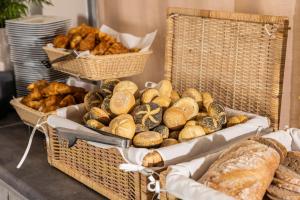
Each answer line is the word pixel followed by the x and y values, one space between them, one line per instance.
pixel 121 102
pixel 191 123
pixel 75 41
pixel 53 101
pixel 207 100
pixel 164 88
pixel 190 132
pixel 174 96
pixel 148 95
pixel 188 106
pixel 123 125
pixel 40 84
pixel 92 123
pixel 147 139
pixel 174 118
pixel 127 86
pixel 88 43
pixel 238 119
pixel 61 41
pixel 162 101
pixel 195 94
pixel 67 101
pixel 168 142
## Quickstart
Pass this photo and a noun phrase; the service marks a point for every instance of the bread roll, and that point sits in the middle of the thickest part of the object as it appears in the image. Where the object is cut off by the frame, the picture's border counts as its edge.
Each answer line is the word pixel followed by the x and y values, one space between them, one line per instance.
pixel 174 96
pixel 244 171
pixel 162 101
pixel 126 86
pixel 168 142
pixel 188 106
pixel 190 132
pixel 288 175
pixel 147 139
pixel 275 193
pixel 121 102
pixel 174 118
pixel 207 100
pixel 148 95
pixel 164 88
pixel 195 94
pixel 292 161
pixel 123 126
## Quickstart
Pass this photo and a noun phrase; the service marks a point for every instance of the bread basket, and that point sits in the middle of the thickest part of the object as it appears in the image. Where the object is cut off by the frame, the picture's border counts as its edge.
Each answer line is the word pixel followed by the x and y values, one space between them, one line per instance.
pixel 239 58
pixel 100 67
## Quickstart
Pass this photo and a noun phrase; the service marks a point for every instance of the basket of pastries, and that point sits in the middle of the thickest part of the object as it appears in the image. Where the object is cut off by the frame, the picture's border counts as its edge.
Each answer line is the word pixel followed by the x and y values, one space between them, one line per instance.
pixel 45 98
pixel 108 58
pixel 258 168
pixel 237 58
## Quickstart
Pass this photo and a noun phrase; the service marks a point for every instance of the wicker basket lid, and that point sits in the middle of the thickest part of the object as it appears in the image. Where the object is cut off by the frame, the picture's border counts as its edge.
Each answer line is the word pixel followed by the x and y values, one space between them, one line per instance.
pixel 237 57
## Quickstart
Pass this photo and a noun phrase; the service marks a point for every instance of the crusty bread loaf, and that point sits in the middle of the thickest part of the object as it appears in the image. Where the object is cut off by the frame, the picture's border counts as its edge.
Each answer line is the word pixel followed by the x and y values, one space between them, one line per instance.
pixel 280 193
pixel 293 161
pixel 288 175
pixel 280 148
pixel 243 171
pixel 272 197
pixel 286 185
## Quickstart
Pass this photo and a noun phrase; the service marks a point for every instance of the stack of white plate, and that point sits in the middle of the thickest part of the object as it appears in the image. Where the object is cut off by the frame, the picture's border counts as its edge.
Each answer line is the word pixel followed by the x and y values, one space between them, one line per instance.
pixel 26 37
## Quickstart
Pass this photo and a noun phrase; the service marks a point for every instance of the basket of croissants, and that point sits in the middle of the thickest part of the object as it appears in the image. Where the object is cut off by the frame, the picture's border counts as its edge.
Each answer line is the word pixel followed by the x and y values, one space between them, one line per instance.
pixel 45 98
pixel 107 57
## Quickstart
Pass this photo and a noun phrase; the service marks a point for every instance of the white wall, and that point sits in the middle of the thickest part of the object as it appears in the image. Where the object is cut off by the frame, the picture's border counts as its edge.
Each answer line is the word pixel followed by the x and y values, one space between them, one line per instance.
pixel 73 9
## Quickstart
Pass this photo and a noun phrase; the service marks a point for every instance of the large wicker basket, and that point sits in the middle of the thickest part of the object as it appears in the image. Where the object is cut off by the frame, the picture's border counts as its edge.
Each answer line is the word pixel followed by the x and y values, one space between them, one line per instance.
pixel 238 57
pixel 28 115
pixel 100 67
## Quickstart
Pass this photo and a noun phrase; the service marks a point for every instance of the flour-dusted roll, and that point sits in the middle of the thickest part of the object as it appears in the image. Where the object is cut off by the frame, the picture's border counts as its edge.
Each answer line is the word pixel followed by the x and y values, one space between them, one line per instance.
pixel 244 171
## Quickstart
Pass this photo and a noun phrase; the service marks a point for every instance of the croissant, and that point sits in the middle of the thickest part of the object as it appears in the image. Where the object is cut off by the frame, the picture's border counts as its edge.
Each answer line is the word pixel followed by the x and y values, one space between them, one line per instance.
pixel 100 49
pixel 56 88
pixel 61 41
pixel 53 100
pixel 67 101
pixel 88 43
pixel 40 84
pixel 75 41
pixel 35 94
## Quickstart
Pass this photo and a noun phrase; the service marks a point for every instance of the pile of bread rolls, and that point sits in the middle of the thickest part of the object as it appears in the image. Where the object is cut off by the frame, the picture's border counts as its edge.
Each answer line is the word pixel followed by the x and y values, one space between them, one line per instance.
pixel 155 117
pixel 259 168
pixel 47 97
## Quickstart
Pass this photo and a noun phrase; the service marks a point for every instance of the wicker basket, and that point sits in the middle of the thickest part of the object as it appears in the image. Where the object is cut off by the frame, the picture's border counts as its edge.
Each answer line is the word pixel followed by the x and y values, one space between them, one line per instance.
pixel 28 115
pixel 237 57
pixel 100 67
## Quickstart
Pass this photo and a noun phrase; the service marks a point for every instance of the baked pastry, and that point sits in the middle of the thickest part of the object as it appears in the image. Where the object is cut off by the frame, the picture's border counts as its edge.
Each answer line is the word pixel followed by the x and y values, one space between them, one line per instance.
pixel 243 171
pixel 121 102
pixel 108 86
pixel 164 88
pixel 287 175
pixel 123 125
pixel 163 130
pixel 195 94
pixel 127 86
pixel 238 119
pixel 61 41
pixel 168 142
pixel 188 106
pixel 280 148
pixel 140 128
pixel 99 115
pixel 92 123
pixel 45 109
pixel 162 101
pixel 286 185
pixel 147 139
pixel 292 161
pixel 106 129
pixel 32 104
pixel 79 97
pixel 149 114
pixel 92 99
pixel 116 48
pixel 88 43
pixel 191 123
pixel 67 101
pixel 40 84
pixel 35 94
pixel 75 41
pixel 190 132
pixel 217 111
pixel 174 96
pixel 207 100
pixel 101 48
pixel 209 124
pixel 174 135
pixel 52 101
pixel 174 118
pixel 148 95
pixel 277 193
pixel 56 88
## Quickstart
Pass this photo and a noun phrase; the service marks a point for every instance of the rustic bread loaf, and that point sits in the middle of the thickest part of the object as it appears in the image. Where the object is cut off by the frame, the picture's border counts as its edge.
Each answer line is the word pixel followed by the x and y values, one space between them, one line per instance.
pixel 275 192
pixel 286 185
pixel 243 171
pixel 280 148
pixel 292 161
pixel 288 175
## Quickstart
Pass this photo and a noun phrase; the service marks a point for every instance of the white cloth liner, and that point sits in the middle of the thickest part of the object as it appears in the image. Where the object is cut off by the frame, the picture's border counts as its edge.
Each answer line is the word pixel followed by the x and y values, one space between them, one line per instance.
pixel 181 179
pixel 128 40
pixel 183 150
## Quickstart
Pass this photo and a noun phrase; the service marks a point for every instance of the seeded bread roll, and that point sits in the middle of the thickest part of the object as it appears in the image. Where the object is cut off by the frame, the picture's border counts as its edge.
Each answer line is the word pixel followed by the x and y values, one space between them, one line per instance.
pixel 244 171
pixel 286 185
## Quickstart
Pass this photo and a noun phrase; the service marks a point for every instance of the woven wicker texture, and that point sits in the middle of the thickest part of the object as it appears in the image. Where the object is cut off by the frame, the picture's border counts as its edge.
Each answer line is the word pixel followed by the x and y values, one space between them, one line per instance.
pixel 230 55
pixel 28 115
pixel 227 54
pixel 101 67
